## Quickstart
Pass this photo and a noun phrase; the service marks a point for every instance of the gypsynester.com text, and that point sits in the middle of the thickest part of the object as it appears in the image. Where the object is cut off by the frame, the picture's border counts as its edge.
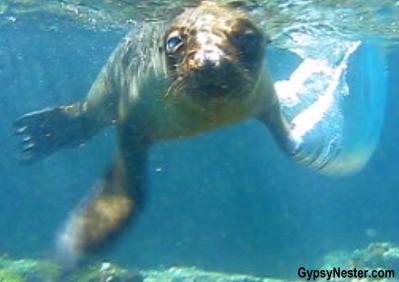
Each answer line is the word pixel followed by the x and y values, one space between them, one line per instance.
pixel 337 272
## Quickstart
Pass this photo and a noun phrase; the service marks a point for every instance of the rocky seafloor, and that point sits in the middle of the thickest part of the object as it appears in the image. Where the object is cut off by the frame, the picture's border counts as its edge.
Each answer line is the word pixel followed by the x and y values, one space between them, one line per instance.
pixel 377 256
pixel 26 270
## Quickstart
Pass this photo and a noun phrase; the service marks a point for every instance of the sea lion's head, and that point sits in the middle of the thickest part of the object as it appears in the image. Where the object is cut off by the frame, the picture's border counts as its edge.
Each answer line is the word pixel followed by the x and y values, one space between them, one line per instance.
pixel 214 51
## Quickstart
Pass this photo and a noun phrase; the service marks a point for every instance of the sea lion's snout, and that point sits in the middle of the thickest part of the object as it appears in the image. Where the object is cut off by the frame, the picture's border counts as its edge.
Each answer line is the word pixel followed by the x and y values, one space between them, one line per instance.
pixel 207 58
pixel 210 73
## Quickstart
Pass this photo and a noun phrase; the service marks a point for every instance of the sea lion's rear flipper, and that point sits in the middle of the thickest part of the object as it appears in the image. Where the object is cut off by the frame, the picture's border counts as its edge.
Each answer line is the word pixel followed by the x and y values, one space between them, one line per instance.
pixel 51 129
pixel 117 198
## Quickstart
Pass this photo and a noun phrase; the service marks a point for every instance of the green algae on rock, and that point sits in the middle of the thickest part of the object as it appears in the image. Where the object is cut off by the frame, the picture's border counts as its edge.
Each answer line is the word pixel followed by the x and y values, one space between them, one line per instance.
pixel 376 256
pixel 27 270
pixel 105 272
pixel 10 276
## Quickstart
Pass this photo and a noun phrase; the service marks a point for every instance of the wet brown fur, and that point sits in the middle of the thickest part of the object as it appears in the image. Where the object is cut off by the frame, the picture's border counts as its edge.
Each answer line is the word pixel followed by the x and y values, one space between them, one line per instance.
pixel 149 97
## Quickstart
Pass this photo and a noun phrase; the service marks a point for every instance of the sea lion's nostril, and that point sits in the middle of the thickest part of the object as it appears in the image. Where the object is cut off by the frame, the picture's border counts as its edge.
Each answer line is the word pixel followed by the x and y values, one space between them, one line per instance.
pixel 209 57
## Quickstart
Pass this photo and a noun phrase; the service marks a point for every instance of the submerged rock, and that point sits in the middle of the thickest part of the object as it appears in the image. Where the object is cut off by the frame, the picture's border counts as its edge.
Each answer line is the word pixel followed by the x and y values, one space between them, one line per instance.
pixel 377 256
pixel 27 270
pixel 177 274
pixel 382 257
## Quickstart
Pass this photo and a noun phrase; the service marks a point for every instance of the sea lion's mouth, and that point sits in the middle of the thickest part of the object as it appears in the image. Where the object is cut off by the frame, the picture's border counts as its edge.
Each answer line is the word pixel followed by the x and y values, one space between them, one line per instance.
pixel 211 90
pixel 227 79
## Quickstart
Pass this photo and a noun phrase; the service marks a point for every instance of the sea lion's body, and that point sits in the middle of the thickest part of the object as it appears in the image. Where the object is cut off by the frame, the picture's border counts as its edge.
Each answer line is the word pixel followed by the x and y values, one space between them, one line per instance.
pixel 203 71
pixel 143 87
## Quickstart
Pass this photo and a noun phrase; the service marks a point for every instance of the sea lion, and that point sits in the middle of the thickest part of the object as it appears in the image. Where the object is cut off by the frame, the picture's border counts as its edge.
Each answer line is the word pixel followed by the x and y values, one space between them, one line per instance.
pixel 204 70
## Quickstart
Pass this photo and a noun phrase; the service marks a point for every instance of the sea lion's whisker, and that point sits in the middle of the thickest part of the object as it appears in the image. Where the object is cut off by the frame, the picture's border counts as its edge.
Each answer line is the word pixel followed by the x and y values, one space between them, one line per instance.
pixel 174 88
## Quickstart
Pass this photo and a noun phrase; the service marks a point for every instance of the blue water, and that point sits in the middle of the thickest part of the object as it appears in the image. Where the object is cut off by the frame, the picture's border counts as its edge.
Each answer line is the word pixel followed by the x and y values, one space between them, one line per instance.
pixel 228 200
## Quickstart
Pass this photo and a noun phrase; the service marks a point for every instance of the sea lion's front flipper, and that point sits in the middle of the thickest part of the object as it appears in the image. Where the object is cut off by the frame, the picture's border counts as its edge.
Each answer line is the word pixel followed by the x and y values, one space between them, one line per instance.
pixel 117 198
pixel 332 113
pixel 311 131
pixel 47 131
pixel 51 129
pixel 313 153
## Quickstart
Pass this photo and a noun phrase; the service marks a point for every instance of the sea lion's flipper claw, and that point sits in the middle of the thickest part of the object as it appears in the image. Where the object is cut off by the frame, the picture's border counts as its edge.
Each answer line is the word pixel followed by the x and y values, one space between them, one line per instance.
pixel 45 132
pixel 28 147
pixel 27 139
pixel 20 130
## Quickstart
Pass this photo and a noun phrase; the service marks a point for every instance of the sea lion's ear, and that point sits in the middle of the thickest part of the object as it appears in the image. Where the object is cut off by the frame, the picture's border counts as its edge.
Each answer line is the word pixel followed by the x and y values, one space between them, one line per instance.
pixel 172 12
pixel 175 11
pixel 245 5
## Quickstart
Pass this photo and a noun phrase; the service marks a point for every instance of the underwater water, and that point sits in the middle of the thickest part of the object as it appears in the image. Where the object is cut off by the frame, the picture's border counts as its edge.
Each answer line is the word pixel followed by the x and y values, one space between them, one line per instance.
pixel 228 200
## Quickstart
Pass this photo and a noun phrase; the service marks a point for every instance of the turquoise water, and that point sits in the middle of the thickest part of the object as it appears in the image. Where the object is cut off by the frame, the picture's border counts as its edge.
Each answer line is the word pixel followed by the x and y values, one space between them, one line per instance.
pixel 228 200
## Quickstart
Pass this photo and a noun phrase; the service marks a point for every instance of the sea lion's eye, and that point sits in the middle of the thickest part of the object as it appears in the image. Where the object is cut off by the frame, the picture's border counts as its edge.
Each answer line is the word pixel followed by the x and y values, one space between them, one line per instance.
pixel 173 42
pixel 249 44
pixel 249 39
